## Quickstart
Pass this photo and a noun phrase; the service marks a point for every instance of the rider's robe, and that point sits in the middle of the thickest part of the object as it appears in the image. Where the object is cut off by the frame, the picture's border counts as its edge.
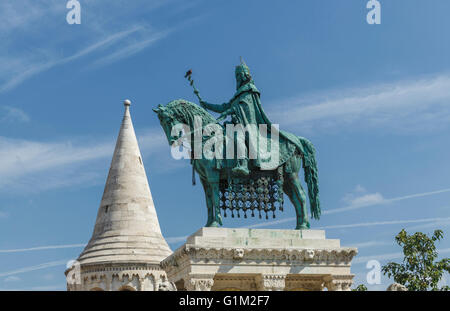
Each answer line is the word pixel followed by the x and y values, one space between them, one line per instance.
pixel 246 108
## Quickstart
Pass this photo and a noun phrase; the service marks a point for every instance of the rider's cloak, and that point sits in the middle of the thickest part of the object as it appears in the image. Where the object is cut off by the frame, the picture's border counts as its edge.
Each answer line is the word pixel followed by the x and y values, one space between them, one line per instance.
pixel 247 109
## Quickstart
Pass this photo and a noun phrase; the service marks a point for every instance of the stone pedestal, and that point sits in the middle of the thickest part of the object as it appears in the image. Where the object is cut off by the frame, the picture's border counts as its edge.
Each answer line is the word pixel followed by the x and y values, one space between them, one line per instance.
pixel 260 259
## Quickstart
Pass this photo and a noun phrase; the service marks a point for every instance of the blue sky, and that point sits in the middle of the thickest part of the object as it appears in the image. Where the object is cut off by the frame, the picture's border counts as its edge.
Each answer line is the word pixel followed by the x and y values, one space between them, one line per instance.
pixel 374 99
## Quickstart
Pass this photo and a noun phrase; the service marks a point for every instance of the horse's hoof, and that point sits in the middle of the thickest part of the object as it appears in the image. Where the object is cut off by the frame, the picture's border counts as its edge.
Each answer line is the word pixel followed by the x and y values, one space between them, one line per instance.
pixel 214 224
pixel 302 227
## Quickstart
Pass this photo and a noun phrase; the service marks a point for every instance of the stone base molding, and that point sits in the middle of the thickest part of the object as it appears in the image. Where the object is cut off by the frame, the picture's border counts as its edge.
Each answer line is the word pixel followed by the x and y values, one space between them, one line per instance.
pixel 260 259
pixel 117 277
pixel 199 282
pixel 271 282
pixel 339 282
pixel 300 282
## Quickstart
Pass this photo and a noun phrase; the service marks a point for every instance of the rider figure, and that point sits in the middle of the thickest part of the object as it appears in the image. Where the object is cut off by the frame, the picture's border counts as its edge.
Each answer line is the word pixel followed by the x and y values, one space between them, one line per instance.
pixel 245 108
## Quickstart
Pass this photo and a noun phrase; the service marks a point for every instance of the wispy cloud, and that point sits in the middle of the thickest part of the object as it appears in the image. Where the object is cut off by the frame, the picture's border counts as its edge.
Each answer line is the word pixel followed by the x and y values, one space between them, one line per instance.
pixel 132 48
pixel 57 164
pixel 57 287
pixel 367 200
pixel 430 223
pixel 389 222
pixel 22 72
pixel 101 39
pixel 369 244
pixel 152 139
pixel 169 240
pixel 172 240
pixel 35 267
pixel 19 158
pixel 12 115
pixel 104 43
pixel 122 48
pixel 361 201
pixel 437 224
pixel 389 256
pixel 21 14
pixel 40 248
pixel 418 104
pixel 358 200
pixel 356 225
pixel 12 278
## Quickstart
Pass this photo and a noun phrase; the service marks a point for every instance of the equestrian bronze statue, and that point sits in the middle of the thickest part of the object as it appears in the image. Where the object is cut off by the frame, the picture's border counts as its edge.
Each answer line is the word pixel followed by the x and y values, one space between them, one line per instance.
pixel 248 182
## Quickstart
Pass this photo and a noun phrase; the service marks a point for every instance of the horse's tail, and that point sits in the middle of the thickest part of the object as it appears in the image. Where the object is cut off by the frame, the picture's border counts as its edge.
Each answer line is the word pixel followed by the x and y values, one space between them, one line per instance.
pixel 311 176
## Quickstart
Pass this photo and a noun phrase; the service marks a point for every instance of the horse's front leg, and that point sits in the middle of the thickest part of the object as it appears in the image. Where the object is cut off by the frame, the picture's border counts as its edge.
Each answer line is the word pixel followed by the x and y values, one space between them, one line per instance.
pixel 209 202
pixel 216 205
pixel 293 188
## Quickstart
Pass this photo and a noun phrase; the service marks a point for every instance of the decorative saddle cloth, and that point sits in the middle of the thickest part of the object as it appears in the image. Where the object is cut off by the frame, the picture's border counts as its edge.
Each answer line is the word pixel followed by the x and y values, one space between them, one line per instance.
pixel 261 191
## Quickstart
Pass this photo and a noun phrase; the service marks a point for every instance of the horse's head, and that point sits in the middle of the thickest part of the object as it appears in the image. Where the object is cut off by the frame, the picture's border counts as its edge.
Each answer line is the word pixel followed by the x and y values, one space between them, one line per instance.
pixel 168 122
pixel 179 116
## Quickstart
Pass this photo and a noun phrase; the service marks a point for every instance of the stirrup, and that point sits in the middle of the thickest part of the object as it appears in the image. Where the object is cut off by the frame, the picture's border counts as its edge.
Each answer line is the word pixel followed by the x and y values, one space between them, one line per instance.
pixel 240 171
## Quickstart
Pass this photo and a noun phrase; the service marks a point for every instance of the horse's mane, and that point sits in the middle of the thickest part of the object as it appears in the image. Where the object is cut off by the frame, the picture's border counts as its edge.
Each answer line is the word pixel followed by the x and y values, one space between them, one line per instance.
pixel 184 108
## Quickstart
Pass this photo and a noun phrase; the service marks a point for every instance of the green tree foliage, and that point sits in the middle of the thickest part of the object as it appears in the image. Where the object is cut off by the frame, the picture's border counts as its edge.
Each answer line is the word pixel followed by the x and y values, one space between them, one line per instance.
pixel 360 288
pixel 419 270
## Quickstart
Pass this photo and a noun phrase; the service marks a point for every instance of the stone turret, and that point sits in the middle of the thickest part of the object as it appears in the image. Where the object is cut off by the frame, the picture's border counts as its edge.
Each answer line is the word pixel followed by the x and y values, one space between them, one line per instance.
pixel 127 246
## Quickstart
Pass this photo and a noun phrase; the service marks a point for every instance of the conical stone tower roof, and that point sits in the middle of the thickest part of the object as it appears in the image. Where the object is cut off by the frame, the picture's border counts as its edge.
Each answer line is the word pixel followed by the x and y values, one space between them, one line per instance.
pixel 127 227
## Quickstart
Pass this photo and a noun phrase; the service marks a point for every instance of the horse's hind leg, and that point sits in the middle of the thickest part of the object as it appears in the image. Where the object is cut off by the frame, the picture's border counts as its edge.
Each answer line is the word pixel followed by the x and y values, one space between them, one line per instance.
pixel 209 202
pixel 293 188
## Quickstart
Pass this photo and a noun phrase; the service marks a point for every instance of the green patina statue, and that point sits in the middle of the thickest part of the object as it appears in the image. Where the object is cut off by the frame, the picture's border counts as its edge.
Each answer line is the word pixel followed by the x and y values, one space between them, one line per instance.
pixel 248 182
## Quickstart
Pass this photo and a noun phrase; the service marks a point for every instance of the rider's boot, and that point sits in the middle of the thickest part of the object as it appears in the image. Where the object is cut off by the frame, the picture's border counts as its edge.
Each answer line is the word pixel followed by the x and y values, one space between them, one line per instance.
pixel 241 168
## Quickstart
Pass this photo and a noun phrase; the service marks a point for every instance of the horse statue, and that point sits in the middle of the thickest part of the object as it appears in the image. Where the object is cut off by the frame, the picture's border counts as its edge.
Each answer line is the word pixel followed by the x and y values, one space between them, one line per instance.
pixel 261 190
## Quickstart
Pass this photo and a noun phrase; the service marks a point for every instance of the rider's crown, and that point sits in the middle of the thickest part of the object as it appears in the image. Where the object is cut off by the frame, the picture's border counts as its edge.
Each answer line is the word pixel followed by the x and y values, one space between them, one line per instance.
pixel 242 68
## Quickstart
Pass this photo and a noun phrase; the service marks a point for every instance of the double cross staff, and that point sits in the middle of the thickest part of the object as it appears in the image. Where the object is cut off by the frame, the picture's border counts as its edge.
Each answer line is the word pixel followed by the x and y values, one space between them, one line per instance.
pixel 188 75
